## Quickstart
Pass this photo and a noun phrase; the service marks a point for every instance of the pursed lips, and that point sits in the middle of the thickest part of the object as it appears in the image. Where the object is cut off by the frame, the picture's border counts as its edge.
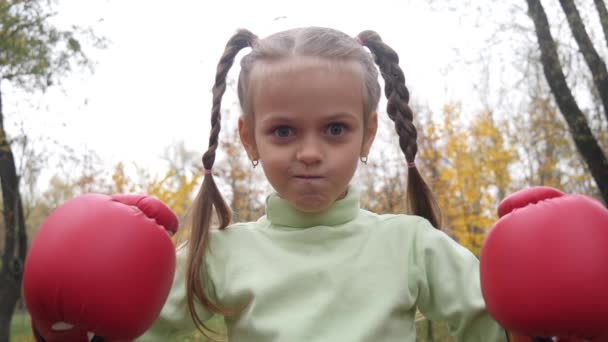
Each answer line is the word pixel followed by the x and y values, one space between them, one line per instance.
pixel 307 177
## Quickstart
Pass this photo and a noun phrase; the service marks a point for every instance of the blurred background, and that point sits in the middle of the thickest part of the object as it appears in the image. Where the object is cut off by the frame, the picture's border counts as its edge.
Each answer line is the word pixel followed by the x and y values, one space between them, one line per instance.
pixel 114 96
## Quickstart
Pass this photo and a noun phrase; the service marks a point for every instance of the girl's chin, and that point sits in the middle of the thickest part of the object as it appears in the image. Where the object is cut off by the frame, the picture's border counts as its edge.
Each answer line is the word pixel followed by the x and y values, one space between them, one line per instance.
pixel 312 203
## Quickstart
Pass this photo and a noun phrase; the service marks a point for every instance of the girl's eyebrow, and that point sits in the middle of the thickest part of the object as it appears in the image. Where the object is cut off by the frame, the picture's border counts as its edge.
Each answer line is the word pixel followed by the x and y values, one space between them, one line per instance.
pixel 282 117
pixel 277 117
pixel 340 115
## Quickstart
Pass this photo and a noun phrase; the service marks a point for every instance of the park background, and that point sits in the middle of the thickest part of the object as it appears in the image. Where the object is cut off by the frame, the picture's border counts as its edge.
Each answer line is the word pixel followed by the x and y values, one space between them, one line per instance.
pixel 114 96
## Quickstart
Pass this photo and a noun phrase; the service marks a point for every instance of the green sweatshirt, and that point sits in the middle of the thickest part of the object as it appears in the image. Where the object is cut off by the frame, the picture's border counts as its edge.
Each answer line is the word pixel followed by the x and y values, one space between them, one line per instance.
pixel 343 274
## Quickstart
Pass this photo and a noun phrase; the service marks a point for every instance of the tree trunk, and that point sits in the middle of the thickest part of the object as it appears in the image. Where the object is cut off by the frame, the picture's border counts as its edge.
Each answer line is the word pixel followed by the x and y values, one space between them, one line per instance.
pixel 15 245
pixel 585 45
pixel 584 140
pixel 600 6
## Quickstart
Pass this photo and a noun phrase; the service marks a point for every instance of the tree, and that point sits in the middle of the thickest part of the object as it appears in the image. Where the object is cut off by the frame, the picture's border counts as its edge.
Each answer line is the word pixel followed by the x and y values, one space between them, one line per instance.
pixel 245 184
pixel 468 170
pixel 466 167
pixel 547 155
pixel 586 143
pixel 29 166
pixel 33 56
pixel 384 178
pixel 175 186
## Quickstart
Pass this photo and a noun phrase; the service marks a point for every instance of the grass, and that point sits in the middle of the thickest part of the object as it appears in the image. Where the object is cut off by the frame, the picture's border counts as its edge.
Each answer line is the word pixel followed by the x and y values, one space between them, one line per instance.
pixel 21 332
pixel 20 328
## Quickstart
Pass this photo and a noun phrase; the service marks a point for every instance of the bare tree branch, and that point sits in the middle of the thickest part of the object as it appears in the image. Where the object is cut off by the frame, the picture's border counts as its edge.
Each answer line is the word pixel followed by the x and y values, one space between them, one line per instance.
pixel 603 13
pixel 590 54
pixel 583 138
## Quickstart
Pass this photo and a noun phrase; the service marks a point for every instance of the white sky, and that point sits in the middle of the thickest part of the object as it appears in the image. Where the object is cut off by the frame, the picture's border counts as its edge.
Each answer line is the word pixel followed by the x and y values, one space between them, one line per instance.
pixel 151 86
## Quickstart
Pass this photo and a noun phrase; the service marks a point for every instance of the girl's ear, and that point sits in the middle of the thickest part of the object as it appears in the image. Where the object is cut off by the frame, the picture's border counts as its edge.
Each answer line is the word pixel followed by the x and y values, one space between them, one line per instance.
pixel 369 134
pixel 247 138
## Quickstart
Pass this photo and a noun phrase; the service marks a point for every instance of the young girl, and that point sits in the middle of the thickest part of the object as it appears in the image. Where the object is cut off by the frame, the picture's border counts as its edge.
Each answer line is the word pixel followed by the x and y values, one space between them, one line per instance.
pixel 317 267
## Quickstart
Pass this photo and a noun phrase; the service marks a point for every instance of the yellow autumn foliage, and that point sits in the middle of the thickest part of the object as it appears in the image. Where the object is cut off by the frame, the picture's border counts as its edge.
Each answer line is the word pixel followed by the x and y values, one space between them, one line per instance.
pixel 173 189
pixel 471 174
pixel 466 166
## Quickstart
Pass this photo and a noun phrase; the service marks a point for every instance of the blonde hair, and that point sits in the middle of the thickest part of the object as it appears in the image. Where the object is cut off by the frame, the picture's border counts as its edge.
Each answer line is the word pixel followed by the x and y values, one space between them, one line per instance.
pixel 318 42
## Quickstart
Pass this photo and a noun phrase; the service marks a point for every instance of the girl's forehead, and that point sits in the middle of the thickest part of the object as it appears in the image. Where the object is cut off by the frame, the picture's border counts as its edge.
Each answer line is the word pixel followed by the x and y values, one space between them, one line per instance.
pixel 295 74
pixel 286 67
pixel 306 88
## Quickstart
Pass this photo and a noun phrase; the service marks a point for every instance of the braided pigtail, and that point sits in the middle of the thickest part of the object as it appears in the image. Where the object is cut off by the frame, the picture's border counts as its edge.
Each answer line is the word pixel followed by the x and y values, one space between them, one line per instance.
pixel 420 199
pixel 209 196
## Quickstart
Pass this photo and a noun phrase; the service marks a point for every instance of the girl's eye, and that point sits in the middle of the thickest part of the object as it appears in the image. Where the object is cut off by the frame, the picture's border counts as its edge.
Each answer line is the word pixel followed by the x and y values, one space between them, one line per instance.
pixel 336 129
pixel 282 132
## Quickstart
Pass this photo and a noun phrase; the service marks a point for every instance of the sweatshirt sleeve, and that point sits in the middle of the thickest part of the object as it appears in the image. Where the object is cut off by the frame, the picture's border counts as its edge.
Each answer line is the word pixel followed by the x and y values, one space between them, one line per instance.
pixel 447 282
pixel 174 321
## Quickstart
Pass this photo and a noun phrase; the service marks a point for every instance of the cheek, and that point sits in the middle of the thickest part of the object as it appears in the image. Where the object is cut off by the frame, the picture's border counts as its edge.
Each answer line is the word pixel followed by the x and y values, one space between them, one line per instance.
pixel 348 158
pixel 352 163
pixel 274 160
pixel 355 147
pixel 275 171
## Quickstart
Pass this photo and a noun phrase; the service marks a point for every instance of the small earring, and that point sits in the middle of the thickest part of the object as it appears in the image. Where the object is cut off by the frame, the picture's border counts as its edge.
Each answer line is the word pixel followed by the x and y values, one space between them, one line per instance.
pixel 364 160
pixel 255 162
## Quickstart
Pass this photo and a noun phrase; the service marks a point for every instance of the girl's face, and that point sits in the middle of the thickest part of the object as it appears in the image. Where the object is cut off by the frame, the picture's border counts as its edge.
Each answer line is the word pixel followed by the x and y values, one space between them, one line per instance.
pixel 307 129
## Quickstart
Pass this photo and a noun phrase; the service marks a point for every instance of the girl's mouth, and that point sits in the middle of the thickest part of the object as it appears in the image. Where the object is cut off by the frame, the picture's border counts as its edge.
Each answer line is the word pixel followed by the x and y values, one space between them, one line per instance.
pixel 308 177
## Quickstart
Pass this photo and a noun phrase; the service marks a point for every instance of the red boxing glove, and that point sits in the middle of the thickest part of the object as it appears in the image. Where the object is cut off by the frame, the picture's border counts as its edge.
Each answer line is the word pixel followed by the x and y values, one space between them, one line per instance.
pixel 100 265
pixel 544 265
pixel 520 338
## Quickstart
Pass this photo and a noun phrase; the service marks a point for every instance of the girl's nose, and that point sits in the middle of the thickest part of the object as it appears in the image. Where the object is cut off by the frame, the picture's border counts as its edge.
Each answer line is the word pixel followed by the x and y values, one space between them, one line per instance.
pixel 310 151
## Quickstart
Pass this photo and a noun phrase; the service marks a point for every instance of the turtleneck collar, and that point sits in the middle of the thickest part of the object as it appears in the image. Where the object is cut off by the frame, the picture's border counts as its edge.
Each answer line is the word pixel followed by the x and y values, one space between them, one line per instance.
pixel 281 213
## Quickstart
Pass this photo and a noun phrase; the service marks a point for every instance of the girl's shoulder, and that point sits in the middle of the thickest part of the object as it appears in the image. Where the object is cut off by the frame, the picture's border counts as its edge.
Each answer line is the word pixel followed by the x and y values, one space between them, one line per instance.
pixel 397 227
pixel 392 221
pixel 404 232
pixel 236 230
pixel 223 242
pixel 401 226
pixel 234 227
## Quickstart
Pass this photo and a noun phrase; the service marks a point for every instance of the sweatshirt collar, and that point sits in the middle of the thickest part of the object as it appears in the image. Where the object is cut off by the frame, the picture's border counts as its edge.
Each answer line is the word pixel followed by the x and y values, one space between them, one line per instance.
pixel 281 213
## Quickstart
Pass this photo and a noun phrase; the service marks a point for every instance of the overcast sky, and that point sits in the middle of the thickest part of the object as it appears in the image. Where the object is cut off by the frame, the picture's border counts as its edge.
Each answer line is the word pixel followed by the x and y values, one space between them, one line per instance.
pixel 151 85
